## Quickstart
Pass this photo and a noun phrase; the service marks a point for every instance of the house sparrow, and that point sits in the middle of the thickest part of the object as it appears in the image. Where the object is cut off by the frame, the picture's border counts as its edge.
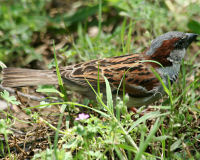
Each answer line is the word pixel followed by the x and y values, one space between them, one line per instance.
pixel 141 84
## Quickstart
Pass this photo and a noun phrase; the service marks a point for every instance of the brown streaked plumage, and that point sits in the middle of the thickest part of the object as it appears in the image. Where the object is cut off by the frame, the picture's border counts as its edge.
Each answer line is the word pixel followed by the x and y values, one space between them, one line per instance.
pixel 113 69
pixel 140 82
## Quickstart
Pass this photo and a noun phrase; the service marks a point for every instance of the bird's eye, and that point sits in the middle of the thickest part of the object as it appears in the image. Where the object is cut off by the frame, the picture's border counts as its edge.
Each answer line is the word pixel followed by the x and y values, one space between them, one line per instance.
pixel 180 43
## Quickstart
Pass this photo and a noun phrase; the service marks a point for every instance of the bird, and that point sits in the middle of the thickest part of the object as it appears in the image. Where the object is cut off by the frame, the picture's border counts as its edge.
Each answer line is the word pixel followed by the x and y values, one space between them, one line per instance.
pixel 136 71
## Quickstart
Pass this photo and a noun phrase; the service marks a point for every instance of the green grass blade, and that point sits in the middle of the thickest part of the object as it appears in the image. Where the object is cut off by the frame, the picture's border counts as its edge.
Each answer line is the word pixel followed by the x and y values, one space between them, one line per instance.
pixel 166 89
pixel 144 118
pixel 98 83
pixel 60 82
pixel 100 19
pixel 119 153
pixel 150 136
pixel 123 29
pixel 109 95
pixel 128 44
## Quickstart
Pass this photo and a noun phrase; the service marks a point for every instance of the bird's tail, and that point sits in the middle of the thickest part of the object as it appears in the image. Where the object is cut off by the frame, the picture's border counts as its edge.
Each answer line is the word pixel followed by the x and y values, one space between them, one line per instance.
pixel 16 77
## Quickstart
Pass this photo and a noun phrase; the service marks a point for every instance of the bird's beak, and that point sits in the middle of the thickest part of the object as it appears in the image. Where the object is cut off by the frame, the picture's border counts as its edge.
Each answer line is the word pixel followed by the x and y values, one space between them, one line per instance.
pixel 190 38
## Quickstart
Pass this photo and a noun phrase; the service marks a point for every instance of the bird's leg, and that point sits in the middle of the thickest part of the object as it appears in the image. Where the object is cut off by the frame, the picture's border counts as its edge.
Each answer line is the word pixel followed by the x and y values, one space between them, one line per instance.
pixel 133 109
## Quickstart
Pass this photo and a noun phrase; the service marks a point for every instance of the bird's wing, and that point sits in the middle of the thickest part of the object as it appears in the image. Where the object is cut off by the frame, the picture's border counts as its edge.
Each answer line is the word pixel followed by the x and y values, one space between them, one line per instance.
pixel 139 79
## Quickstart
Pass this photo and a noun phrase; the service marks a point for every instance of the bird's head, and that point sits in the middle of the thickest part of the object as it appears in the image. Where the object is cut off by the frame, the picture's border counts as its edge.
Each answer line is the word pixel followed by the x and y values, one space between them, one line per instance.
pixel 170 47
